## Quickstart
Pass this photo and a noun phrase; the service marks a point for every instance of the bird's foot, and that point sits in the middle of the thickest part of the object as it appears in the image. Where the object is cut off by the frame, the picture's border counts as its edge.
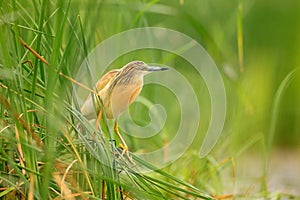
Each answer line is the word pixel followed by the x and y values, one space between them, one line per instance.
pixel 126 152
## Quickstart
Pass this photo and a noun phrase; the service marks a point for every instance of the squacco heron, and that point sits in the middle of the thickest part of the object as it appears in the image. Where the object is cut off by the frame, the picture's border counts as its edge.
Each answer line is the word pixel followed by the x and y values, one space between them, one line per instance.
pixel 117 89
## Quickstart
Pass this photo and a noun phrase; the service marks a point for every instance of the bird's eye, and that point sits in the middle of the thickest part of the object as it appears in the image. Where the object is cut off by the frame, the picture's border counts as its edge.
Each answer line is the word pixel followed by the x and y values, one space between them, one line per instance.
pixel 145 68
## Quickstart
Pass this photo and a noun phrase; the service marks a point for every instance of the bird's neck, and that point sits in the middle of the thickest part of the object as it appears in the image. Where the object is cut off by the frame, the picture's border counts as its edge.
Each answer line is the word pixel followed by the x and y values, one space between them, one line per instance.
pixel 132 79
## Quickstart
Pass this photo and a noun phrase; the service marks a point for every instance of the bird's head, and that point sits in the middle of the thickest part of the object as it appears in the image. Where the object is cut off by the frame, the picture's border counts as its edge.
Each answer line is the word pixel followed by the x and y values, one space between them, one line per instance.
pixel 139 67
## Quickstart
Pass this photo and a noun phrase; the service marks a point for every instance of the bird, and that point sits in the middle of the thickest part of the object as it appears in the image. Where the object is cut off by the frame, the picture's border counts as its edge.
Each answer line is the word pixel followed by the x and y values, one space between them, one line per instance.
pixel 117 89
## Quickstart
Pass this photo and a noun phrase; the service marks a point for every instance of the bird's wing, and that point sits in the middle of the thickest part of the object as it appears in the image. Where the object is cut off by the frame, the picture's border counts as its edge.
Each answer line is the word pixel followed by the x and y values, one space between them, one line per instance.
pixel 134 94
pixel 105 79
pixel 88 107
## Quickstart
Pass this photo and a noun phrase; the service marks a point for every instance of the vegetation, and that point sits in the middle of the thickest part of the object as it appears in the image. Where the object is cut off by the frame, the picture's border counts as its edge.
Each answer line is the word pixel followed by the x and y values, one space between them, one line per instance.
pixel 48 150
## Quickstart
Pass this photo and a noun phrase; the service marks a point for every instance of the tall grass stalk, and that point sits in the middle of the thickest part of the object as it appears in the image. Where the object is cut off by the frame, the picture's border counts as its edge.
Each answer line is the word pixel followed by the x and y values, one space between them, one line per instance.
pixel 240 36
pixel 274 116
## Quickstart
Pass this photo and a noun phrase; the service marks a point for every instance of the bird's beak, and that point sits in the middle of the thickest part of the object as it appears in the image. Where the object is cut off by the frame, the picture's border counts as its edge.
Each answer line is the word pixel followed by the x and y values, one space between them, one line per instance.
pixel 154 68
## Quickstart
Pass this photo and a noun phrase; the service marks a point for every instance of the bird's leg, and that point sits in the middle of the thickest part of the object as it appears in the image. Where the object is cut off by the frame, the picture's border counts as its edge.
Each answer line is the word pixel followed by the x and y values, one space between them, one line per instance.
pixel 97 124
pixel 123 144
pixel 98 119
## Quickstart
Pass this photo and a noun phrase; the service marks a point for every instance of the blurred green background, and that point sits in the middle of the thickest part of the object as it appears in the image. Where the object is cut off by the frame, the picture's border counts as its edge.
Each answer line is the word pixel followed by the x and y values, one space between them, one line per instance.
pixel 270 52
pixel 255 44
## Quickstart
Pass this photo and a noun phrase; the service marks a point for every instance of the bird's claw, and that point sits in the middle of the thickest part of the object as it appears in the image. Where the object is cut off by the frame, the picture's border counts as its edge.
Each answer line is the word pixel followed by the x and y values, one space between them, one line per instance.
pixel 126 152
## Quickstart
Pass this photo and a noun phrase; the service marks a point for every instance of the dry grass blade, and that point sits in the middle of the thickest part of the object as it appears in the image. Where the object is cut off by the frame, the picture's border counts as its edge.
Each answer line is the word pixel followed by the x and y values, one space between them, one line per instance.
pixel 60 73
pixel 66 172
pixel 65 190
pixel 19 149
pixel 17 117
pixel 31 187
pixel 33 52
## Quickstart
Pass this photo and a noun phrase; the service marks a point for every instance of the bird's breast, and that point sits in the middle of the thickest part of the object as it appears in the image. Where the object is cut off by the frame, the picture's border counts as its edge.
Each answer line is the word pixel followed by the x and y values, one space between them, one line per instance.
pixel 123 95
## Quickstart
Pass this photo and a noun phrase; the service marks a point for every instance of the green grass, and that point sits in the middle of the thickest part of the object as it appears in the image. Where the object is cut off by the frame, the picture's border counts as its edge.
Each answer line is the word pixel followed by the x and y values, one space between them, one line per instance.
pixel 47 147
pixel 48 150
